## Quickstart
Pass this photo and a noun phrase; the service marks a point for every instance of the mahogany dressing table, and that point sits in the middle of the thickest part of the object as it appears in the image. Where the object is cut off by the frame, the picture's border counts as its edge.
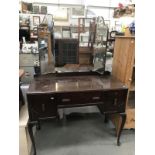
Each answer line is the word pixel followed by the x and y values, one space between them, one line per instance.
pixel 48 93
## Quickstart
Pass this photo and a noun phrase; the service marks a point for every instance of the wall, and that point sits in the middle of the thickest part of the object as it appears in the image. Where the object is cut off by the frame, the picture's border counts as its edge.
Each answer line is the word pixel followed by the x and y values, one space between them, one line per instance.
pixel 103 8
pixel 106 3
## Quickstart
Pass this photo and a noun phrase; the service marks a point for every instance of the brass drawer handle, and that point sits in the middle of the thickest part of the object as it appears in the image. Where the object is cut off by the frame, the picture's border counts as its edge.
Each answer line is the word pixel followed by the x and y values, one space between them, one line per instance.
pixel 96 98
pixel 52 98
pixel 43 107
pixel 66 100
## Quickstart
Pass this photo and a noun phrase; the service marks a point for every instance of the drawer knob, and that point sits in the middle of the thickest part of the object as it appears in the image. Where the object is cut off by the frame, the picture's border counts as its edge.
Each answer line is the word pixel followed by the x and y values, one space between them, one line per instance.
pixel 52 98
pixel 96 98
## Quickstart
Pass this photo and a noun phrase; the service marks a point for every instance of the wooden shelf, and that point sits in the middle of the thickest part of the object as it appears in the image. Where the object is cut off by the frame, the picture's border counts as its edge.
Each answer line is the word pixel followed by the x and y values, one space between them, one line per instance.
pixel 84 50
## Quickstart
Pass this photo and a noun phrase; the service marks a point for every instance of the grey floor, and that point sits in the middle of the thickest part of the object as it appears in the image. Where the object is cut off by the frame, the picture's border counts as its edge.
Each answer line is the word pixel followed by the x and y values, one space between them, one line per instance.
pixel 82 134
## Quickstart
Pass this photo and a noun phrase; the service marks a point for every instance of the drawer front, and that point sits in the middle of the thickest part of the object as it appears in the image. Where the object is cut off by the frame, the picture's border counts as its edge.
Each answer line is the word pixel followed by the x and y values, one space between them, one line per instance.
pixel 29 74
pixel 28 59
pixel 115 101
pixel 78 98
pixel 41 106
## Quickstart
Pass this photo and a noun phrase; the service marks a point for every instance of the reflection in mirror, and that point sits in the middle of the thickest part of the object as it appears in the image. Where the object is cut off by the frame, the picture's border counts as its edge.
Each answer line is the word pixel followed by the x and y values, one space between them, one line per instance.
pixel 77 48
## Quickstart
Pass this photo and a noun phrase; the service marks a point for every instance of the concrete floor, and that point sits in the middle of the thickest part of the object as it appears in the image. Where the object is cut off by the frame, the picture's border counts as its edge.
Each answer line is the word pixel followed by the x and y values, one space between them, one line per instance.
pixel 84 134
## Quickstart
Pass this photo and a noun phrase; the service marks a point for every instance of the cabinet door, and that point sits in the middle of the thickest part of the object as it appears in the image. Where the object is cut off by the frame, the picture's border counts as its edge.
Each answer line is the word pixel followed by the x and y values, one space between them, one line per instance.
pixel 41 106
pixel 115 101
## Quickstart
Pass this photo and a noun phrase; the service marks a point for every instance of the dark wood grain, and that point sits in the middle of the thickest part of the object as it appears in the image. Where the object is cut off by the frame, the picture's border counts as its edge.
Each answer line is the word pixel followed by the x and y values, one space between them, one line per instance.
pixel 57 84
pixel 48 93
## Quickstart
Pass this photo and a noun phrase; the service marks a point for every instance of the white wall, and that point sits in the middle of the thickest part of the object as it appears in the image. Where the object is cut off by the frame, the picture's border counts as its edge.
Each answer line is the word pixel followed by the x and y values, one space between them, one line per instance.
pixel 107 3
pixel 98 7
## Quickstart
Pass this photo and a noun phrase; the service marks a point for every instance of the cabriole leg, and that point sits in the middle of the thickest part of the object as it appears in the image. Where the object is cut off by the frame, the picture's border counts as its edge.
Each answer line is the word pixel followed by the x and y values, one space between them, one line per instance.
pixel 123 119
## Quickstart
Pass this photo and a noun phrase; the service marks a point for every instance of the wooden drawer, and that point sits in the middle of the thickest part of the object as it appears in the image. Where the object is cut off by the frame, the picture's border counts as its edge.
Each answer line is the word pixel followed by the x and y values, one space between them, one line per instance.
pixel 41 106
pixel 115 101
pixel 78 98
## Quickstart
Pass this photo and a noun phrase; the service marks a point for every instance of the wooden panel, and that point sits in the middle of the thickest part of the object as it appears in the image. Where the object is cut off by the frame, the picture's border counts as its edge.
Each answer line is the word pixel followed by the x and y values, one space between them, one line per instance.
pixel 41 106
pixel 115 100
pixel 130 121
pixel 120 60
pixel 130 63
pixel 122 69
pixel 116 61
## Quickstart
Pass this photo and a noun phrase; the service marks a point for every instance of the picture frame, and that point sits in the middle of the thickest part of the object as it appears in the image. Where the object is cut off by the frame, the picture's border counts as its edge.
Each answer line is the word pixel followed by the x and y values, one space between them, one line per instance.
pixel 61 15
pixel 43 9
pixel 36 9
pixel 78 12
pixel 36 20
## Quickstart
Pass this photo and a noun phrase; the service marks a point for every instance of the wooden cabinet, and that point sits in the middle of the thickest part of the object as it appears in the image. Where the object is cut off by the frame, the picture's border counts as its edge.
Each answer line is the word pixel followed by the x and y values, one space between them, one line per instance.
pixel 123 68
pixel 41 106
pixel 114 100
pixel 48 93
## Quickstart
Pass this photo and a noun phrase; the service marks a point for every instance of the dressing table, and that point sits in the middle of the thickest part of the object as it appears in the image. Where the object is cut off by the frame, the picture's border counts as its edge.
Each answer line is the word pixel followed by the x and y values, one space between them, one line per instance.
pixel 50 92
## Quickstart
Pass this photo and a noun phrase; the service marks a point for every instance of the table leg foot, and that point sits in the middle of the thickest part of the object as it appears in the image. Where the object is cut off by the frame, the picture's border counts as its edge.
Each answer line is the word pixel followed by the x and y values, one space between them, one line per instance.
pixel 123 119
